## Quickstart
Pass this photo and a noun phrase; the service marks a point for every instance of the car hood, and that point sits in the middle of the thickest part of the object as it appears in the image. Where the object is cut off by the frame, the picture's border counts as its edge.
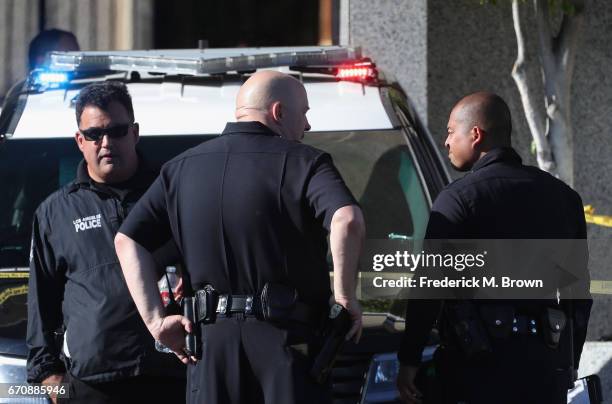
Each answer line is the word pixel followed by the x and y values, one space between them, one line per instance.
pixel 13 312
pixel 13 347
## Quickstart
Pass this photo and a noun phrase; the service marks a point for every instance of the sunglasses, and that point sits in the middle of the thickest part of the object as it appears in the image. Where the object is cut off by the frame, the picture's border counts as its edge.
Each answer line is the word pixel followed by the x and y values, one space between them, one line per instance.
pixel 113 132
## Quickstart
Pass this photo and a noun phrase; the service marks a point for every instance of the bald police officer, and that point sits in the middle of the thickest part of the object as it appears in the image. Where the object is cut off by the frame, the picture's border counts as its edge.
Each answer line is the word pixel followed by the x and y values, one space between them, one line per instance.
pixel 500 198
pixel 250 212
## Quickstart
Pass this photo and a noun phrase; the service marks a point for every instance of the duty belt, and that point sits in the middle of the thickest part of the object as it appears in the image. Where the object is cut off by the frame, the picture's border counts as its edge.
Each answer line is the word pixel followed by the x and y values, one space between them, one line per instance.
pixel 226 305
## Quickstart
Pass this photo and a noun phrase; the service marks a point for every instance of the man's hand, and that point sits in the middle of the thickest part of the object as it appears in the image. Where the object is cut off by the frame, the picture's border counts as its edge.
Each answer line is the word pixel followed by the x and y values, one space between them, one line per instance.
pixel 171 332
pixel 405 384
pixel 354 309
pixel 53 379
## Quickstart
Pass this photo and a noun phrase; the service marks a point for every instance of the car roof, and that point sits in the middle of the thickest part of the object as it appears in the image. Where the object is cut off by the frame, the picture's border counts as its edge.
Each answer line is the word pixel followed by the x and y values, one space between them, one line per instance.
pixel 174 108
pixel 169 104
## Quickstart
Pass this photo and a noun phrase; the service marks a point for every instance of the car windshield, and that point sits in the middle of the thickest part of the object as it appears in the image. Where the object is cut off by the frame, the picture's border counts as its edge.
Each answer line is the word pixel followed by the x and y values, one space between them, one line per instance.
pixel 376 165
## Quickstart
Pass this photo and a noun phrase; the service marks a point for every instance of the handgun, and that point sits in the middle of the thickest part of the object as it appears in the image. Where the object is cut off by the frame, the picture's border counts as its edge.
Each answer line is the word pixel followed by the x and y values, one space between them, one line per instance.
pixel 335 330
pixel 192 339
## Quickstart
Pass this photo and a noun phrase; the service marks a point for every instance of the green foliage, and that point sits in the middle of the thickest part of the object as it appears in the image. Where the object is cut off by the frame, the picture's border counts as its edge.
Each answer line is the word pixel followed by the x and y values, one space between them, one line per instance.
pixel 376 305
pixel 566 6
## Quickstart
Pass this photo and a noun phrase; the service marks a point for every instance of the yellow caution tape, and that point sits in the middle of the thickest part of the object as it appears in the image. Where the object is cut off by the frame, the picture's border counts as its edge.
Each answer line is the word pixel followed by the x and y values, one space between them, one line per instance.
pixel 14 275
pixel 591 217
pixel 10 292
pixel 601 287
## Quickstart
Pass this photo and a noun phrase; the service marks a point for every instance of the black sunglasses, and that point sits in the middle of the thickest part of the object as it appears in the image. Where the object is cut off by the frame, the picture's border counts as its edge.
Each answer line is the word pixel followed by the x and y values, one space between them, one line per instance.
pixel 113 132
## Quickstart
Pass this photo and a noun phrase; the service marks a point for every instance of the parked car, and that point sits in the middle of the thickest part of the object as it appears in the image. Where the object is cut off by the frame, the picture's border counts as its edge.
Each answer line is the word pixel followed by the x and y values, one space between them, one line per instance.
pixel 183 97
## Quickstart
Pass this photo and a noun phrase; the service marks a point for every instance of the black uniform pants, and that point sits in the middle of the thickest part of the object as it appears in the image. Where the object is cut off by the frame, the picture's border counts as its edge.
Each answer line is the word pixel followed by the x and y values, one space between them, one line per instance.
pixel 245 360
pixel 138 389
pixel 519 371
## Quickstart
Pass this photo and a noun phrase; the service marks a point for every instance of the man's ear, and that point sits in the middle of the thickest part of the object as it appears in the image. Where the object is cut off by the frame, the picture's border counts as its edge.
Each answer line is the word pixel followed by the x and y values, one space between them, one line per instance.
pixel 79 139
pixel 277 111
pixel 136 131
pixel 478 136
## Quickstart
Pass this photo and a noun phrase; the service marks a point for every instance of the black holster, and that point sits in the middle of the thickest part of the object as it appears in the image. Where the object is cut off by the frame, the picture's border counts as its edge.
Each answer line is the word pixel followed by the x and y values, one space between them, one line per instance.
pixel 192 340
pixel 277 302
pixel 553 323
pixel 206 301
pixel 468 329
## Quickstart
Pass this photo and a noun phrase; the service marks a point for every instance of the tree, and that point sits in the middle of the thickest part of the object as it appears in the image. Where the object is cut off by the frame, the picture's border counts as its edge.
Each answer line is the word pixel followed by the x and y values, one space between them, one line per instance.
pixel 551 130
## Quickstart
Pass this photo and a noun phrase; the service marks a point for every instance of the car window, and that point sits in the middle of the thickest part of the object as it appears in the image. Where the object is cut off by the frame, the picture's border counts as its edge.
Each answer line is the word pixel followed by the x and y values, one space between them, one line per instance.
pixel 376 166
pixel 32 169
pixel 379 170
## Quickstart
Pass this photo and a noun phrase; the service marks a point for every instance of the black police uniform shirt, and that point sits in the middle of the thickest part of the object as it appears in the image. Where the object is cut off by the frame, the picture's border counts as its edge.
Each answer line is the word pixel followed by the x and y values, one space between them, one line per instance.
pixel 246 208
pixel 500 199
pixel 76 281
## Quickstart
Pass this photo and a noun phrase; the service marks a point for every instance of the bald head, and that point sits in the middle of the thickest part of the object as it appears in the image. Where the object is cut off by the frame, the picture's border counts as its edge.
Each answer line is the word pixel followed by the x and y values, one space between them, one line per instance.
pixel 275 99
pixel 478 123
pixel 490 113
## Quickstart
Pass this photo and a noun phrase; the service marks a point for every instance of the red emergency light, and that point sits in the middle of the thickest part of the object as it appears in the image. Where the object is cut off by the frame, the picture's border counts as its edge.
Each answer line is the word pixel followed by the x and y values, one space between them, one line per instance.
pixel 364 71
pixel 361 71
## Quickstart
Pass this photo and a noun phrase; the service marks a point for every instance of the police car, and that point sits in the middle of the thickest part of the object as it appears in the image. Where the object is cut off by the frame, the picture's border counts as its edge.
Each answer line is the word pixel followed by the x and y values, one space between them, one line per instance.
pixel 183 97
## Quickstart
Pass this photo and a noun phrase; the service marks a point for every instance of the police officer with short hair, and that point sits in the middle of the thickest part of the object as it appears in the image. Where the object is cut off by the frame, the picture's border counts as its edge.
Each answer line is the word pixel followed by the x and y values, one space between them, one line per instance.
pixel 500 198
pixel 76 285
pixel 250 212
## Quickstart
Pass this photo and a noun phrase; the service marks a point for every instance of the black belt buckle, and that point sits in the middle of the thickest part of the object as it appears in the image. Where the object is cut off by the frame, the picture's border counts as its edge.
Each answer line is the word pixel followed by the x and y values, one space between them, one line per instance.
pixel 207 300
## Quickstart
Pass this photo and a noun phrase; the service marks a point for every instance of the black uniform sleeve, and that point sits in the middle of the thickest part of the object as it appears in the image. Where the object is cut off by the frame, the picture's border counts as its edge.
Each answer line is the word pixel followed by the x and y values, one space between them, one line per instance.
pixel 148 223
pixel 445 222
pixel 326 191
pixel 580 307
pixel 45 295
pixel 447 219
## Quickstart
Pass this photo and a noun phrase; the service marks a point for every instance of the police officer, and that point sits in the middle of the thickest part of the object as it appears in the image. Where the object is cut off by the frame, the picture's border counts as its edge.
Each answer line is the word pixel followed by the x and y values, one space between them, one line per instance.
pixel 250 212
pixel 498 199
pixel 76 283
pixel 47 41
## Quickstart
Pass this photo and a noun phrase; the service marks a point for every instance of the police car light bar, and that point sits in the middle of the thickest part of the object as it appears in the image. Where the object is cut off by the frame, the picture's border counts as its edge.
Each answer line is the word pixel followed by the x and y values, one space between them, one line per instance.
pixel 196 62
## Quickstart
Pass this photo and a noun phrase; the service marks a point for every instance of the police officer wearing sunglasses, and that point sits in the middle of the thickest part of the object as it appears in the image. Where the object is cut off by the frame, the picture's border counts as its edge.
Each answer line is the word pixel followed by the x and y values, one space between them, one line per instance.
pixel 76 287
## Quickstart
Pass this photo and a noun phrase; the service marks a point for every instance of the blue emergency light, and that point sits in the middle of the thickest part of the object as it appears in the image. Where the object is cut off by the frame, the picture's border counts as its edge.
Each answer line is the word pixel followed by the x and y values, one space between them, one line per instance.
pixel 50 79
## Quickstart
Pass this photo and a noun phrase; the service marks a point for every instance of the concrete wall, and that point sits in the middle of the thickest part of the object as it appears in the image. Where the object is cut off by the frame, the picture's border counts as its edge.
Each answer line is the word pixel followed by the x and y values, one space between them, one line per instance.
pixel 394 33
pixel 592 119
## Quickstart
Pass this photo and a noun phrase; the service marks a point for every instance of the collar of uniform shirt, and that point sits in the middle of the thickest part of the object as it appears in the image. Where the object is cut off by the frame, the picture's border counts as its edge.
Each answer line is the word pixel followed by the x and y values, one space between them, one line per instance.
pixel 144 176
pixel 500 154
pixel 249 127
